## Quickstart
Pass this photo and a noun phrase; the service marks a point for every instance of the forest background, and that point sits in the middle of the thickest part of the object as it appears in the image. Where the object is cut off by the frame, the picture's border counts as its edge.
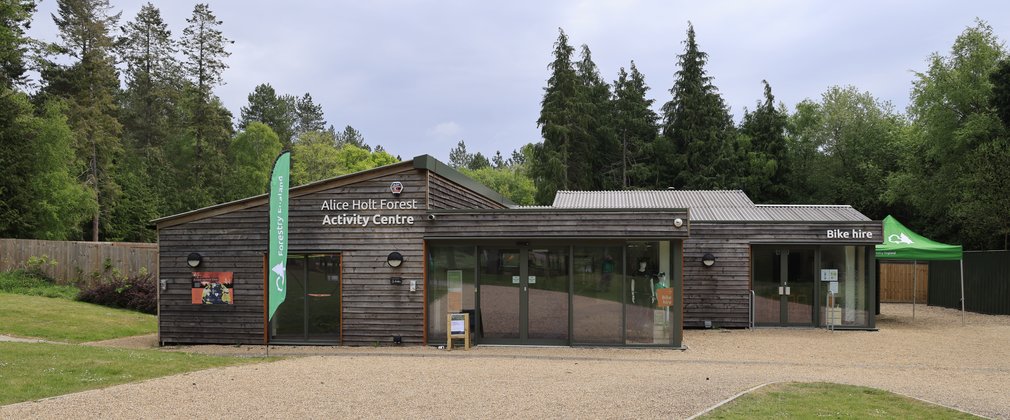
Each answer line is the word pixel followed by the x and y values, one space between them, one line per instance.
pixel 122 126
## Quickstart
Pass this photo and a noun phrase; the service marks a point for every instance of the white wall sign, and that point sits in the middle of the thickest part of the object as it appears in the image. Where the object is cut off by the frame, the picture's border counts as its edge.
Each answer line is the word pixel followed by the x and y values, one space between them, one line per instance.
pixel 364 220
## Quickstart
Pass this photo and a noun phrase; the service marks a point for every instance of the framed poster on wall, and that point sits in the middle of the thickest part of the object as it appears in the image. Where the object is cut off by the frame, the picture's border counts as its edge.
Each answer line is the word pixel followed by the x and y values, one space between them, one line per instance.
pixel 212 288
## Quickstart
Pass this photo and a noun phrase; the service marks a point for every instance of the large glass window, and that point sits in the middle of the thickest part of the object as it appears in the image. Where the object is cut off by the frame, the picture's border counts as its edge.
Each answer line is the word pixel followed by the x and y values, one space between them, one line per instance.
pixel 598 291
pixel 850 306
pixel 648 267
pixel 450 286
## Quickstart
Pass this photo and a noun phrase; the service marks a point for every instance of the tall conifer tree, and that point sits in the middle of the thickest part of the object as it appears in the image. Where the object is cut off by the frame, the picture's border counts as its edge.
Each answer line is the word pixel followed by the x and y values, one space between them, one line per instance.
pixel 635 124
pixel 560 127
pixel 209 129
pixel 697 124
pixel 90 85
pixel 764 164
pixel 596 155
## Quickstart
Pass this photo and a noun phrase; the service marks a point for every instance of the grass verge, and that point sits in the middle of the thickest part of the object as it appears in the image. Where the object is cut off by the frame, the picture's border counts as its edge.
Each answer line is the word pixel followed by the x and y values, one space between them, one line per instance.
pixel 24 283
pixel 30 371
pixel 813 400
pixel 65 320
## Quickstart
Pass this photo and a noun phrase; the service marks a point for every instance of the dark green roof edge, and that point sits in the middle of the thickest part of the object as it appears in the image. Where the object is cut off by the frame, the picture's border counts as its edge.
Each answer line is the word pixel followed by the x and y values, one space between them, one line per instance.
pixel 429 163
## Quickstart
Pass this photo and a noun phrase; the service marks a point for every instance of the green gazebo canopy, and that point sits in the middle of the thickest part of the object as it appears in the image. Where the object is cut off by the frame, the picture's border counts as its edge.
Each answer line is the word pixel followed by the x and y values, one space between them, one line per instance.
pixel 901 243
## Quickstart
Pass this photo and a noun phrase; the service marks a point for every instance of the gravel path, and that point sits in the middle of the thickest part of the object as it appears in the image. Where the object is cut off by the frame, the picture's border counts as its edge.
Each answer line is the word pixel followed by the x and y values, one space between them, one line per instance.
pixel 931 357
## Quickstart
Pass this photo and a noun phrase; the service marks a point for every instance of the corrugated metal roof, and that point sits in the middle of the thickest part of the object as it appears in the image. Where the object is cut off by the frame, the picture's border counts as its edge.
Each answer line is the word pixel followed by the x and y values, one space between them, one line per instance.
pixel 710 205
pixel 812 213
pixel 651 199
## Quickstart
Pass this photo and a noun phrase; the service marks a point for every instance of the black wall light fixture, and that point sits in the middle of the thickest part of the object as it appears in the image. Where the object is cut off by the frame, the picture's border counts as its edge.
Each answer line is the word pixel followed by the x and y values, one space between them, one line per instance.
pixel 194 259
pixel 708 260
pixel 395 259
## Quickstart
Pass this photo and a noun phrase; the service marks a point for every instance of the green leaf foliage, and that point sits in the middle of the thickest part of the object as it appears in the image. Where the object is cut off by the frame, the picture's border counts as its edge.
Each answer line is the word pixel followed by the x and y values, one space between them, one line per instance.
pixel 509 182
pixel 953 147
pixel 251 156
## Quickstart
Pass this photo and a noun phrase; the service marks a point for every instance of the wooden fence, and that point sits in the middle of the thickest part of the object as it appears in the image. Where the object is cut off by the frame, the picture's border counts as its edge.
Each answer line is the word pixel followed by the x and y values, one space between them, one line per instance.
pixel 986 282
pixel 76 260
pixel 896 281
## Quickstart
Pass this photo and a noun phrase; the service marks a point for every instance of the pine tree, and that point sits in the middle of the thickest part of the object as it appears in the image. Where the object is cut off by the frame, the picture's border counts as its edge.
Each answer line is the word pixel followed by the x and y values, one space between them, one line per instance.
pixel 209 130
pixel 90 85
pixel 636 128
pixel 40 197
pixel 458 156
pixel 764 160
pixel 352 137
pixel 560 160
pixel 16 16
pixel 309 115
pixel 697 124
pixel 599 150
pixel 149 116
pixel 276 111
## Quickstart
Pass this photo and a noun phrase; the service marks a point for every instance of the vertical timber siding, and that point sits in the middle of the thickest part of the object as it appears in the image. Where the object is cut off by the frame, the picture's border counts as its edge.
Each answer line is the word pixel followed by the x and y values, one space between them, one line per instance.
pixel 721 293
pixel 373 310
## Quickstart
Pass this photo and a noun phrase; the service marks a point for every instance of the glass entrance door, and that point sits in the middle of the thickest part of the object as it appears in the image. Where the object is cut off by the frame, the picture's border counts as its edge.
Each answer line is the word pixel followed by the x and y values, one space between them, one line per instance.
pixel 783 284
pixel 524 295
pixel 311 310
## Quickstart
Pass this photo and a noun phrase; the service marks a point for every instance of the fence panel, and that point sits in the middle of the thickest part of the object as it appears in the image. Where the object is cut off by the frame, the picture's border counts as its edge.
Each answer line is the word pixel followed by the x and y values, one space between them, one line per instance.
pixel 896 281
pixel 986 282
pixel 75 260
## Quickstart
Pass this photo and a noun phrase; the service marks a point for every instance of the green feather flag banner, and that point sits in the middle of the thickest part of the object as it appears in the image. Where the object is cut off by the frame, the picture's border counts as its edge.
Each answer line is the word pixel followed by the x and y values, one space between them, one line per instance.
pixel 278 228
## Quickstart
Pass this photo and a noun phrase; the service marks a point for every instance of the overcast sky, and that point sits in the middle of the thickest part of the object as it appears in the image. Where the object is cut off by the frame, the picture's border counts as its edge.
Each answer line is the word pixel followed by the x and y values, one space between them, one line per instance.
pixel 416 77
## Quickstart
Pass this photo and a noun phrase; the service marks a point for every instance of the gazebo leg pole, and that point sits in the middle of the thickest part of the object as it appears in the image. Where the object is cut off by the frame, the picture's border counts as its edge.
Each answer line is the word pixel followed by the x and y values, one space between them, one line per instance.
pixel 962 291
pixel 915 284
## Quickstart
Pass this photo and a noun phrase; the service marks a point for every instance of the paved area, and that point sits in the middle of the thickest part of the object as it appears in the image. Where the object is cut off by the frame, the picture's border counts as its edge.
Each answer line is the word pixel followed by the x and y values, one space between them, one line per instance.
pixel 931 357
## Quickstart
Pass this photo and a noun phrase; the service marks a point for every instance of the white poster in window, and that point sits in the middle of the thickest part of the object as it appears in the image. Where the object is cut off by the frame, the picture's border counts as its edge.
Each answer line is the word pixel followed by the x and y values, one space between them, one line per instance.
pixel 454 278
pixel 829 274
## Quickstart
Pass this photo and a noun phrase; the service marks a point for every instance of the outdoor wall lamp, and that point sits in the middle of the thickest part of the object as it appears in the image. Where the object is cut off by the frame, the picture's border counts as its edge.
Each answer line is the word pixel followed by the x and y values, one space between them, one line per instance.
pixel 708 260
pixel 194 259
pixel 395 259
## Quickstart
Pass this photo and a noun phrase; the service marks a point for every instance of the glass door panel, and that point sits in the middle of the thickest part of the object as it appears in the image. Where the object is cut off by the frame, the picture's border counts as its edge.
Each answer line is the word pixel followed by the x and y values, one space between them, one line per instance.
pixel 311 307
pixel 547 296
pixel 500 293
pixel 767 281
pixel 799 281
pixel 783 284
pixel 323 297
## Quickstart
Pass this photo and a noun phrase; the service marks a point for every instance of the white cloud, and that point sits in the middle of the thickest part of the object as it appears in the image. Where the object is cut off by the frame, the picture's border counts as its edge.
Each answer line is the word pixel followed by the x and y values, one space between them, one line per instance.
pixel 446 131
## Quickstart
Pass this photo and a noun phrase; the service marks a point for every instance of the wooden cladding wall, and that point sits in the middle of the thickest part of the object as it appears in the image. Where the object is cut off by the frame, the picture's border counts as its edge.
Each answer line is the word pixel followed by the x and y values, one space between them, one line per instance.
pixel 75 260
pixel 552 223
pixel 896 281
pixel 373 309
pixel 721 293
pixel 445 194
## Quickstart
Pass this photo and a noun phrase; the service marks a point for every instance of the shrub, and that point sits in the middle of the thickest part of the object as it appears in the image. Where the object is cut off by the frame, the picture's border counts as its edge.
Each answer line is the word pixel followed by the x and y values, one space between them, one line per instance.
pixel 139 293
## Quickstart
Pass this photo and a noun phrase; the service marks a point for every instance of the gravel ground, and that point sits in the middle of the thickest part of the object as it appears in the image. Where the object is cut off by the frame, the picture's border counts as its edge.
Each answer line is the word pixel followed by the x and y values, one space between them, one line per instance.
pixel 931 357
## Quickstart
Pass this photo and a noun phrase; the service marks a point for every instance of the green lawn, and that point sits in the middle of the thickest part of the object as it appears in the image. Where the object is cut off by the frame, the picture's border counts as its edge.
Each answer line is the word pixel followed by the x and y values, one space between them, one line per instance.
pixel 29 371
pixel 23 283
pixel 65 320
pixel 817 400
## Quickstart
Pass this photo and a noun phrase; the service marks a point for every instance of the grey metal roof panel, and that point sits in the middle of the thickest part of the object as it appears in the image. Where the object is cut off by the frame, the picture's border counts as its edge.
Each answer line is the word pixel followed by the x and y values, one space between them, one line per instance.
pixel 721 206
pixel 812 213
pixel 650 199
